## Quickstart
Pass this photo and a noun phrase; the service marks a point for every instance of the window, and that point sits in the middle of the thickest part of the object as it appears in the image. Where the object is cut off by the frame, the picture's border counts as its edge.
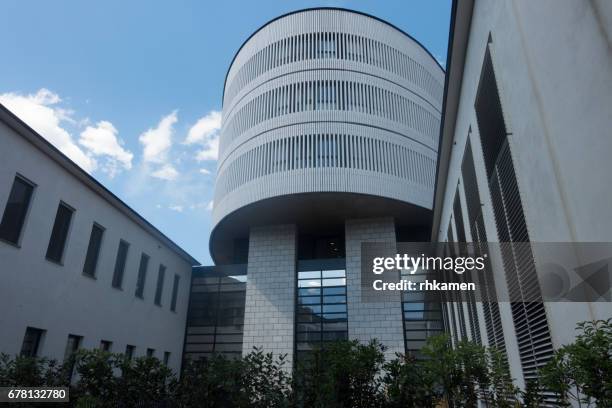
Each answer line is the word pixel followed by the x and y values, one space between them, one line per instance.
pixel 160 285
pixel 106 345
pixel 16 210
pixel 93 250
pixel 122 252
pixel 31 342
pixel 174 292
pixel 215 322
pixel 321 312
pixel 59 234
pixel 129 351
pixel 142 275
pixel 72 345
pixel 166 357
pixel 150 352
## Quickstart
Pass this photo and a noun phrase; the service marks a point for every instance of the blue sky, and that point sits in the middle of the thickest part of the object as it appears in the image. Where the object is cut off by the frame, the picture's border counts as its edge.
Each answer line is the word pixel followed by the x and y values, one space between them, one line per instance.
pixel 131 90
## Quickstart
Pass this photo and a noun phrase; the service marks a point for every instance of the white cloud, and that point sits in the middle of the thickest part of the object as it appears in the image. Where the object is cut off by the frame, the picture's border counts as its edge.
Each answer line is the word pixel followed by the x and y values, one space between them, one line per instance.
pixel 177 208
pixel 205 132
pixel 209 207
pixel 41 112
pixel 102 140
pixel 166 172
pixel 204 171
pixel 157 141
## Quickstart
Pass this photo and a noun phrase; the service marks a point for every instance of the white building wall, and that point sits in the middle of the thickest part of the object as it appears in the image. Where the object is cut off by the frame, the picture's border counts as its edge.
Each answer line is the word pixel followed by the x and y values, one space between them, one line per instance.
pixel 269 312
pixel 553 66
pixel 59 298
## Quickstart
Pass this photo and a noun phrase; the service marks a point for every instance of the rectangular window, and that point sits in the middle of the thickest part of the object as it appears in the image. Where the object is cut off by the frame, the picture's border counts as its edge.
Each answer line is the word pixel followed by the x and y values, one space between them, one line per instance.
pixel 31 342
pixel 106 345
pixel 142 275
pixel 129 351
pixel 93 250
pixel 72 345
pixel 166 357
pixel 122 252
pixel 59 234
pixel 16 210
pixel 150 352
pixel 174 292
pixel 321 311
pixel 160 285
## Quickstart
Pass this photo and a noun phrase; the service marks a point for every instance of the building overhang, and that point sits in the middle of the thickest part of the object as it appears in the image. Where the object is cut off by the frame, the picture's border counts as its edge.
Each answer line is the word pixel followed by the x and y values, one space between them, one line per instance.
pixel 314 212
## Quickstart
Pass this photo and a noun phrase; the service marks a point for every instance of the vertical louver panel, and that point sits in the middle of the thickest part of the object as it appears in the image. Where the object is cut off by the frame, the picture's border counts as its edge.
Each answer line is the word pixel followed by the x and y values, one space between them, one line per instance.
pixel 528 312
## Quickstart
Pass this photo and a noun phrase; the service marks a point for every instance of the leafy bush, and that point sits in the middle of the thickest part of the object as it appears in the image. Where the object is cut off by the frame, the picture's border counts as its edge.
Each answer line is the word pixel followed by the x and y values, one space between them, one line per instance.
pixel 582 371
pixel 31 372
pixel 343 374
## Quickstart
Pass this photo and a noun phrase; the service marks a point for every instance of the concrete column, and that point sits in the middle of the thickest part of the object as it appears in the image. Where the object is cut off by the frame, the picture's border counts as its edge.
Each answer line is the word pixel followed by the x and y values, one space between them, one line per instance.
pixel 270 296
pixel 380 320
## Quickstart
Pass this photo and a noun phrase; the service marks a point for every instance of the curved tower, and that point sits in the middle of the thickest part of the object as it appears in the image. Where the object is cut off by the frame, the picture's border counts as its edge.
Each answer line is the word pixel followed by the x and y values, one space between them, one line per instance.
pixel 329 138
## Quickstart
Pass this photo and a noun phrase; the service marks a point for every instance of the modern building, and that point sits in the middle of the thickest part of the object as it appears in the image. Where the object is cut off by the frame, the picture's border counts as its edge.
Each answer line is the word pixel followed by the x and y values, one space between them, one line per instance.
pixel 78 267
pixel 339 129
pixel 524 157
pixel 329 139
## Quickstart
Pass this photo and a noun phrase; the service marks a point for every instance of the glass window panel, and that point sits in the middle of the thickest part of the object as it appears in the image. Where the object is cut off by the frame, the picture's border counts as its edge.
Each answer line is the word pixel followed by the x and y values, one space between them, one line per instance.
pixel 59 233
pixel 220 347
pixel 409 307
pixel 334 308
pixel 334 317
pixel 200 338
pixel 334 336
pixel 334 291
pixel 309 275
pixel 423 315
pixel 309 336
pixel 309 300
pixel 415 335
pixel 307 346
pixel 311 309
pixel 334 282
pixel 308 318
pixel 337 326
pixel 334 299
pixel 415 344
pixel 337 273
pixel 309 283
pixel 303 327
pixel 93 250
pixel 122 253
pixel 309 291
pixel 15 211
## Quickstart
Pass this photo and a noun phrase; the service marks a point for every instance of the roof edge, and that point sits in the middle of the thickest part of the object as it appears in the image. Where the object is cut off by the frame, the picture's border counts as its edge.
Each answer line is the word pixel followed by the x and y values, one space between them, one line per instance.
pixel 38 141
pixel 322 8
pixel 458 40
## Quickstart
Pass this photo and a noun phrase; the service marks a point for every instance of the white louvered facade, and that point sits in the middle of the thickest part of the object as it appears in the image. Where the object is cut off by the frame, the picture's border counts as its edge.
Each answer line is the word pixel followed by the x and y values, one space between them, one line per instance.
pixel 328 100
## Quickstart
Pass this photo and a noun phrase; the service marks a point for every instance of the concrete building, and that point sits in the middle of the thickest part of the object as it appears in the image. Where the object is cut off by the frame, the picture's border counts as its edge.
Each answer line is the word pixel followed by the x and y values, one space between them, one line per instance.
pixel 329 139
pixel 524 157
pixel 78 267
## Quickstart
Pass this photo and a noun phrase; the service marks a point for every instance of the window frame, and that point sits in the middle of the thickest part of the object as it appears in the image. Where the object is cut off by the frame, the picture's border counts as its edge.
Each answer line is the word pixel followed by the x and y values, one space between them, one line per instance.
pixel 97 255
pixel 117 281
pixel 72 210
pixel 25 180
